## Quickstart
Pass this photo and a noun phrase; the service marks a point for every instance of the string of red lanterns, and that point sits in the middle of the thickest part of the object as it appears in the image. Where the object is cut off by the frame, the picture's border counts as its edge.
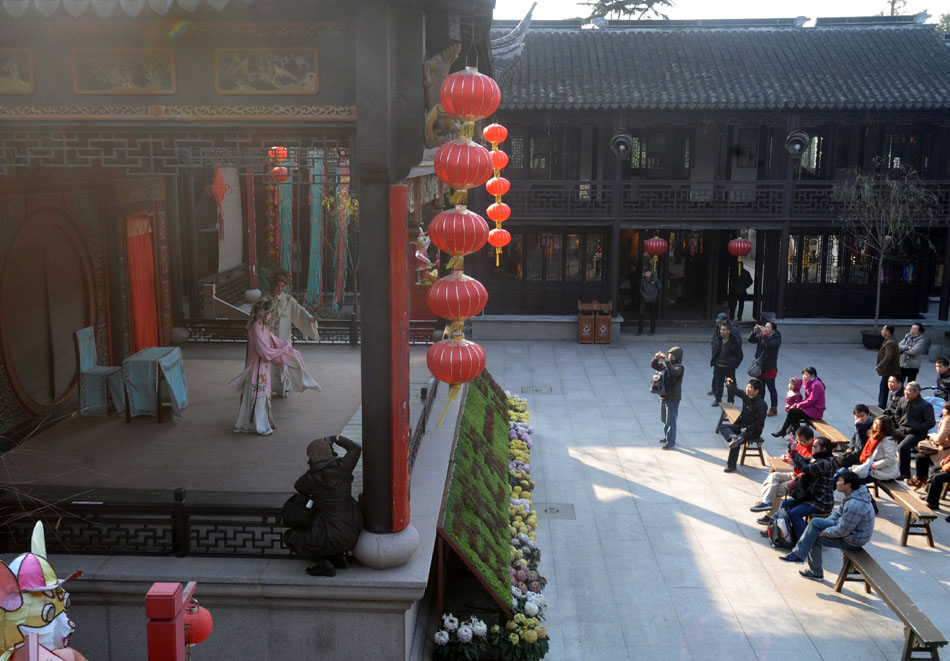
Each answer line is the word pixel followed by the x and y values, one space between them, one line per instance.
pixel 497 186
pixel 462 164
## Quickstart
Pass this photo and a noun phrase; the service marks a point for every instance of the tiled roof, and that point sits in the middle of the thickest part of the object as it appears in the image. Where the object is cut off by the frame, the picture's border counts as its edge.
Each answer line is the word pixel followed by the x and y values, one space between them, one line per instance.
pixel 836 67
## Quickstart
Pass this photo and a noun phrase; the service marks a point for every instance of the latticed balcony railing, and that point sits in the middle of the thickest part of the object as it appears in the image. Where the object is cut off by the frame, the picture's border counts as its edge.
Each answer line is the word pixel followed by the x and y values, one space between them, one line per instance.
pixel 663 200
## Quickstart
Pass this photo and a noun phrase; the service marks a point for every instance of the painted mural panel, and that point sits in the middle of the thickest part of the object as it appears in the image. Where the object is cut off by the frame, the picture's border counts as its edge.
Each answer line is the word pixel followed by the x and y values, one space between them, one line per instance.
pixel 124 71
pixel 16 71
pixel 265 71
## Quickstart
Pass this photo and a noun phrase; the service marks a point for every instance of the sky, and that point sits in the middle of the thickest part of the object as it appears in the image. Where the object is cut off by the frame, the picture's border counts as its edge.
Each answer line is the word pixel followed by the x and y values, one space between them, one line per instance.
pixel 686 9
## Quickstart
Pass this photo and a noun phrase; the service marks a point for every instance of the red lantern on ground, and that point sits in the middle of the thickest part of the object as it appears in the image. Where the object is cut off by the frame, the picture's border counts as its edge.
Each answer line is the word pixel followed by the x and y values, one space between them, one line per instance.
pixel 497 186
pixel 462 164
pixel 277 153
pixel 280 173
pixel 498 212
pixel 469 95
pixel 495 133
pixel 458 231
pixel 499 159
pixel 198 624
pixel 739 247
pixel 457 297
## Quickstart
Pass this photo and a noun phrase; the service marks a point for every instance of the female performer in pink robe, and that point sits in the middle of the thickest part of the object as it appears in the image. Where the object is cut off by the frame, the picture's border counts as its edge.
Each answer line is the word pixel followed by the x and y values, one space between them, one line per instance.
pixel 263 348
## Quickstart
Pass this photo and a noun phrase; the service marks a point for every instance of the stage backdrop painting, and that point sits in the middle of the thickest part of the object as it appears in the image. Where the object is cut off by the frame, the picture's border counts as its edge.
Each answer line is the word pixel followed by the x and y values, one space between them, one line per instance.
pixel 265 71
pixel 16 71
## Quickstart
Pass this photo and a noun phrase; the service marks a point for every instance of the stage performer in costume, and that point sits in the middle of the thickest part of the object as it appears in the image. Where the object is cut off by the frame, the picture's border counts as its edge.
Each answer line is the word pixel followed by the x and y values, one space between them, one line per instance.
pixel 287 312
pixel 264 350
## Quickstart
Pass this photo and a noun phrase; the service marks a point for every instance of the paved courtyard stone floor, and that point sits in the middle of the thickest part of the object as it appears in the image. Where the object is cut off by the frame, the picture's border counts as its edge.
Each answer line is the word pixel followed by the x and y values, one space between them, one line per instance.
pixel 663 559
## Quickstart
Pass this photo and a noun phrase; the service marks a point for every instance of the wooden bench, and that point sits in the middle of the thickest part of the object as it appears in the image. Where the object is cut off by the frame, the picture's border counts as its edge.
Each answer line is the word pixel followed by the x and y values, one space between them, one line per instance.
pixel 876 411
pixel 779 465
pixel 752 446
pixel 824 429
pixel 917 514
pixel 921 636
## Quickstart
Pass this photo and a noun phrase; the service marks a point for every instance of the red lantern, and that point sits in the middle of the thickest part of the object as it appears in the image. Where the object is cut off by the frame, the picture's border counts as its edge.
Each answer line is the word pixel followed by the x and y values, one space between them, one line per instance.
pixel 280 173
pixel 499 159
pixel 499 212
pixel 499 238
pixel 277 153
pixel 198 624
pixel 497 186
pixel 655 246
pixel 462 164
pixel 455 361
pixel 457 297
pixel 495 133
pixel 739 247
pixel 469 95
pixel 458 231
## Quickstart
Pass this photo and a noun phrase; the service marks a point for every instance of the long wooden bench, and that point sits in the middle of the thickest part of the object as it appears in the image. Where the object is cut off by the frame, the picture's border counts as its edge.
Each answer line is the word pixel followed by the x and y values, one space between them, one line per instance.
pixel 921 636
pixel 824 429
pixel 876 411
pixel 917 514
pixel 752 446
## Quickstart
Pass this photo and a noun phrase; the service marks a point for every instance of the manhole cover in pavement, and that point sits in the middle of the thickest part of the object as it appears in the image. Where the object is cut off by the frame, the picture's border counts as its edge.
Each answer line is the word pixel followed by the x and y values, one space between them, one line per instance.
pixel 537 390
pixel 555 510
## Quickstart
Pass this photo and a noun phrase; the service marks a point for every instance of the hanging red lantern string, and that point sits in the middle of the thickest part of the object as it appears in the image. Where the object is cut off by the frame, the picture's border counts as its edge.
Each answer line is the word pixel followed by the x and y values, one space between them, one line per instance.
pixel 497 186
pixel 655 247
pixel 455 361
pixel 457 297
pixel 458 232
pixel 469 95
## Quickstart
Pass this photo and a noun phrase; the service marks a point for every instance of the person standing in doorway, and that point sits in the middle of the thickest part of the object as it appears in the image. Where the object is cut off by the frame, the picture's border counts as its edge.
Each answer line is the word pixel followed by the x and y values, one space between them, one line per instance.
pixel 650 287
pixel 913 347
pixel 888 362
pixel 738 286
pixel 672 363
pixel 768 340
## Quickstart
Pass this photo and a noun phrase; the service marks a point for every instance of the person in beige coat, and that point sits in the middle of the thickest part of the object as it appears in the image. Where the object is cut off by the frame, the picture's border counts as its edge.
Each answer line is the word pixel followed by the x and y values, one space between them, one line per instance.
pixel 941 441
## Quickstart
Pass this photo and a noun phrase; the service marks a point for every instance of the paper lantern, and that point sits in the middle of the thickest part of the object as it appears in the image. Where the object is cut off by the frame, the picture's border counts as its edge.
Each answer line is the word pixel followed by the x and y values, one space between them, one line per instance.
pixel 280 173
pixel 495 133
pixel 463 164
pixel 457 297
pixel 498 212
pixel 278 153
pixel 499 159
pixel 739 247
pixel 497 186
pixel 198 624
pixel 655 246
pixel 469 95
pixel 499 238
pixel 458 231
pixel 455 361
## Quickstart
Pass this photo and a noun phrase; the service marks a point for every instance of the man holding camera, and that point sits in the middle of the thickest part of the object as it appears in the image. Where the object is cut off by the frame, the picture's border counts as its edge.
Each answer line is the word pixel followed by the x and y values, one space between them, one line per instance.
pixel 748 427
pixel 672 363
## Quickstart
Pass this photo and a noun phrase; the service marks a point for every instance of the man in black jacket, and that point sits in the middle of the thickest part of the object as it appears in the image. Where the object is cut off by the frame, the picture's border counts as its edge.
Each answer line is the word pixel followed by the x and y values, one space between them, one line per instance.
pixel 915 417
pixel 942 389
pixel 726 356
pixel 672 363
pixel 750 423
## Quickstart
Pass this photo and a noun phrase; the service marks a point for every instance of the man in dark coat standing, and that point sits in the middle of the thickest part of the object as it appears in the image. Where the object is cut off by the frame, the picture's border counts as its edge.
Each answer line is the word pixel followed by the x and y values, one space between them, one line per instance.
pixel 888 362
pixel 672 363
pixel 748 427
pixel 739 284
pixel 650 287
pixel 726 357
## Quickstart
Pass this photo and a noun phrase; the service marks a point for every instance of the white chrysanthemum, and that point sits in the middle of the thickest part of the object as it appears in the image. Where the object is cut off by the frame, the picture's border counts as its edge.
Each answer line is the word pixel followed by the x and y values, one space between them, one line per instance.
pixel 531 609
pixel 450 622
pixel 441 637
pixel 464 633
pixel 479 628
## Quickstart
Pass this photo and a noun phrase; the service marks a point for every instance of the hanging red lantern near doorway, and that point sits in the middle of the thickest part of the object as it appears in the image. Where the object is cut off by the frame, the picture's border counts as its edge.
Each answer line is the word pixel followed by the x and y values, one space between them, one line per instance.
pixel 655 247
pixel 455 361
pixel 469 95
pixel 198 623
pixel 217 189
pixel 457 297
pixel 739 248
pixel 458 232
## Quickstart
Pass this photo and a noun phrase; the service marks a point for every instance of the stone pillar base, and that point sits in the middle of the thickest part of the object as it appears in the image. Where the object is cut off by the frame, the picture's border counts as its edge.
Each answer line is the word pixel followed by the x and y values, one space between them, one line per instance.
pixel 387 551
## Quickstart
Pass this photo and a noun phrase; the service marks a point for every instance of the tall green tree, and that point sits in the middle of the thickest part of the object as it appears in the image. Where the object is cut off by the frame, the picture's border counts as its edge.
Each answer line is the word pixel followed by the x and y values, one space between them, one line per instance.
pixel 636 9
pixel 944 24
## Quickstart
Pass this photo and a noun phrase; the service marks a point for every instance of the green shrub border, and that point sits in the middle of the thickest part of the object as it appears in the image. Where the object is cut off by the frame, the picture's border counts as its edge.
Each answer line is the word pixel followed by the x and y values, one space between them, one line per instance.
pixel 475 508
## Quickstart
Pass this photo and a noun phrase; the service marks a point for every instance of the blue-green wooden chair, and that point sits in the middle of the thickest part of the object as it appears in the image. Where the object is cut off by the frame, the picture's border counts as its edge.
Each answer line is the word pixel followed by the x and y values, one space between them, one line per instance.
pixel 96 382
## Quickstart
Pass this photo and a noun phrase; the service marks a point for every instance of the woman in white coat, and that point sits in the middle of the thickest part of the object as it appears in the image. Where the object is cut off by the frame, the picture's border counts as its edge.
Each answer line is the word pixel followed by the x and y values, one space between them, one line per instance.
pixel 878 460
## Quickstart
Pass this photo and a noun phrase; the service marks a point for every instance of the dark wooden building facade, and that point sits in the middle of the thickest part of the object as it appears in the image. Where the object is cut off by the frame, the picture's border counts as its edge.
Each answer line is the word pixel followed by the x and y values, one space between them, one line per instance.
pixel 707 107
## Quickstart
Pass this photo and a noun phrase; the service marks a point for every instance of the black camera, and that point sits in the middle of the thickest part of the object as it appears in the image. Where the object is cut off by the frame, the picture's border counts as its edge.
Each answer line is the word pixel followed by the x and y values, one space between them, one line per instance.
pixel 621 144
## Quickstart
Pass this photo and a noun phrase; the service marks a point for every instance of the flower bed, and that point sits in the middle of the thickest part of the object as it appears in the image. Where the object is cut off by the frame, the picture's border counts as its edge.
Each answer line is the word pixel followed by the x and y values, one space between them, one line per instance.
pixel 505 424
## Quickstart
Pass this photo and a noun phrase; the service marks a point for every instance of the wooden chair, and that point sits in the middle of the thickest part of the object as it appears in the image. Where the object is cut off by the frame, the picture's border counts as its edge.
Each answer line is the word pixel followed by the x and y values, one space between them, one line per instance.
pixel 96 382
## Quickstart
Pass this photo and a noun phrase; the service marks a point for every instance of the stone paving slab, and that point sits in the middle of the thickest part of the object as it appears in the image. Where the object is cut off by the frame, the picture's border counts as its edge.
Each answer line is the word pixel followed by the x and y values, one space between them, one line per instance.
pixel 664 559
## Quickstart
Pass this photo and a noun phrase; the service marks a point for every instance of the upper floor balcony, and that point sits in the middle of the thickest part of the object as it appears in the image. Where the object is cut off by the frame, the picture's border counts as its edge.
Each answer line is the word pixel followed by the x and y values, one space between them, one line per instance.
pixel 665 200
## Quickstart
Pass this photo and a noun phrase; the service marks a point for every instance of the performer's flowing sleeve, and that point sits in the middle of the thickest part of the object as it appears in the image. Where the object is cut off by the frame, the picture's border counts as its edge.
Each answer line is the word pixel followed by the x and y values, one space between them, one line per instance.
pixel 268 346
pixel 303 320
